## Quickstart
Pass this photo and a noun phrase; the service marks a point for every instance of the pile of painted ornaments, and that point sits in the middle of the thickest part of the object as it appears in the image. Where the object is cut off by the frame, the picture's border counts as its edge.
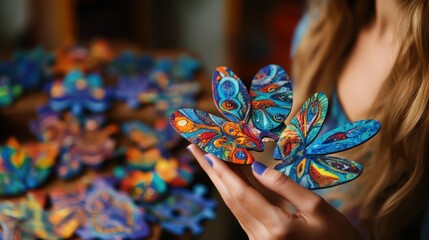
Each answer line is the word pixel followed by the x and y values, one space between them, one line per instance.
pixel 142 179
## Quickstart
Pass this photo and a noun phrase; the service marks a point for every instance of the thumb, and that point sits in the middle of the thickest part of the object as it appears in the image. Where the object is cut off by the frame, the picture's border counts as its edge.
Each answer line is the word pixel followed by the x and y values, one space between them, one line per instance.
pixel 302 198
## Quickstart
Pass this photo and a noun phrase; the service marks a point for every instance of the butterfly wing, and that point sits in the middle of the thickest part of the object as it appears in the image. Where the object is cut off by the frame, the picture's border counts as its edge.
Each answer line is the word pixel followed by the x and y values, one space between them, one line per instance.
pixel 227 140
pixel 67 212
pixel 230 95
pixel 311 116
pixel 96 101
pixel 14 166
pixel 271 98
pixel 303 128
pixel 290 143
pixel 314 172
pixel 43 157
pixel 344 137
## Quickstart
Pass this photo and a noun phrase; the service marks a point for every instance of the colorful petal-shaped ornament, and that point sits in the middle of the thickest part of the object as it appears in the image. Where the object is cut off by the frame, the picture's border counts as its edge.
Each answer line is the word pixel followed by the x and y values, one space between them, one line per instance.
pixel 68 211
pixel 253 116
pixel 303 157
pixel 227 140
pixel 344 137
pixel 90 148
pixel 271 94
pixel 26 219
pixel 79 93
pixel 25 167
pixel 320 171
pixel 144 186
pixel 112 214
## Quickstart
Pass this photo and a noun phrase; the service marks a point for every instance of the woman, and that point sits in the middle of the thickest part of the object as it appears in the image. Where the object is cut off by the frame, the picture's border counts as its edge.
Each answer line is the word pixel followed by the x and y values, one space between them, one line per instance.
pixel 372 58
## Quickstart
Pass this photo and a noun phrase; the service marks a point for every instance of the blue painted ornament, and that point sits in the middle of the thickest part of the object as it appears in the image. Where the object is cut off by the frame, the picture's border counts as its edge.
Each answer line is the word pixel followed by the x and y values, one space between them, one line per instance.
pixel 253 116
pixel 303 155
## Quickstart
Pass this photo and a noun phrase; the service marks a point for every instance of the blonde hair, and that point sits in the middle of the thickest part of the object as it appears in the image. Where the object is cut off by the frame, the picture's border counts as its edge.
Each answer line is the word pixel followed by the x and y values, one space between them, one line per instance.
pixel 391 191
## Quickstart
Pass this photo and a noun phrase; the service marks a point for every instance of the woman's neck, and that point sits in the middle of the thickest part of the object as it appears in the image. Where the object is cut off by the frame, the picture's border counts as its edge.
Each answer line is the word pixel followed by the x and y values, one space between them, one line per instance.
pixel 386 16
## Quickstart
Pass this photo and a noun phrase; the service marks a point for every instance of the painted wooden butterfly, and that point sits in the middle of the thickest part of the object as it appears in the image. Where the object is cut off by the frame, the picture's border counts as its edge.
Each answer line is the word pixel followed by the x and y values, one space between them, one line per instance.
pixel 25 219
pixel 252 116
pixel 92 148
pixel 68 212
pixel 148 175
pixel 303 155
pixel 79 93
pixel 25 167
pixel 112 215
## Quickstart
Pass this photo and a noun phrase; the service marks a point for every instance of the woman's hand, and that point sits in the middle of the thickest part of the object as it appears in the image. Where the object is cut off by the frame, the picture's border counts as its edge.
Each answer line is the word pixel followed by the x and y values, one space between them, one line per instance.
pixel 261 219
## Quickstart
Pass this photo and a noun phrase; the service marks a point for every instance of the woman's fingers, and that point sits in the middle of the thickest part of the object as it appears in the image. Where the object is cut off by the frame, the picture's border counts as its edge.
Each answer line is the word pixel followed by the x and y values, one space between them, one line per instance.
pixel 244 195
pixel 247 221
pixel 242 198
pixel 301 198
pixel 262 220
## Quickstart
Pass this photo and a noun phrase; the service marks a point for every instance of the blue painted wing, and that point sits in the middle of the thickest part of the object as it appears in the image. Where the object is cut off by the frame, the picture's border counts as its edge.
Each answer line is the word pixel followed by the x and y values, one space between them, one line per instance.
pixel 229 141
pixel 304 159
pixel 319 171
pixel 310 117
pixel 230 95
pixel 79 93
pixel 42 157
pixel 344 137
pixel 24 168
pixel 271 99
pixel 303 129
pixel 96 102
pixel 14 166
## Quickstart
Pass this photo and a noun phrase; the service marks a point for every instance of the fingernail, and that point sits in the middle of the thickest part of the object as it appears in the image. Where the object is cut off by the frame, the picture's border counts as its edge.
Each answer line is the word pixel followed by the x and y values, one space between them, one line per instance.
pixel 258 167
pixel 207 157
pixel 189 148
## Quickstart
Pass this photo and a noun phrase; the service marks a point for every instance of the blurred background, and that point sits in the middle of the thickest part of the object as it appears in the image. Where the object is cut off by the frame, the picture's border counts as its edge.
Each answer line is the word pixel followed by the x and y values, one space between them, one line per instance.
pixel 243 35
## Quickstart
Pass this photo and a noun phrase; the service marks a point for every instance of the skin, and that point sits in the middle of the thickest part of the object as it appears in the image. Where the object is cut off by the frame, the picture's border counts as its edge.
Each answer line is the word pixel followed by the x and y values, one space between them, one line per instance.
pixel 263 217
pixel 369 62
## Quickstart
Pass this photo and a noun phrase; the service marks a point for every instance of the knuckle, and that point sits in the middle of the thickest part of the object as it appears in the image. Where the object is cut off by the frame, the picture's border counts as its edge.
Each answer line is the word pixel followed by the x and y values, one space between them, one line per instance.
pixel 279 179
pixel 220 174
pixel 282 227
pixel 240 196
pixel 317 204
pixel 230 202
pixel 279 232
